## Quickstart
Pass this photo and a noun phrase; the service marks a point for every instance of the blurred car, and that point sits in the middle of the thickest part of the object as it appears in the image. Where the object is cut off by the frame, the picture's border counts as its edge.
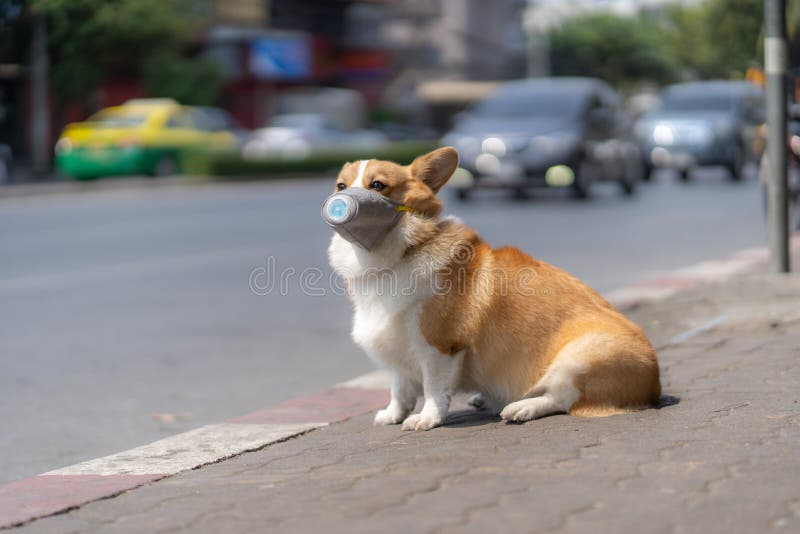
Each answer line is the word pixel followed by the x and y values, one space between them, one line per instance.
pixel 712 123
pixel 143 136
pixel 552 132
pixel 293 135
pixel 5 163
pixel 219 120
pixel 402 131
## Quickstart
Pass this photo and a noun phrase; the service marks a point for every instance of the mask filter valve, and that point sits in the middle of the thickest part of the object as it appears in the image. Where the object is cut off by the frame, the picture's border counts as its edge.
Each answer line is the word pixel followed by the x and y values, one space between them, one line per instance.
pixel 339 209
pixel 361 216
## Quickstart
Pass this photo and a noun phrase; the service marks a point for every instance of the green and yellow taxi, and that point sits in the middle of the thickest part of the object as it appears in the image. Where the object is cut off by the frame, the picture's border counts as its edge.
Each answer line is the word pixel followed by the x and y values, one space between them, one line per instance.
pixel 144 136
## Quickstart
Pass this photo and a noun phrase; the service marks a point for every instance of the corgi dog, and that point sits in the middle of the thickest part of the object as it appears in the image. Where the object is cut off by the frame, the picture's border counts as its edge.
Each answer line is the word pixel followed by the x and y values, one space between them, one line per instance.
pixel 446 313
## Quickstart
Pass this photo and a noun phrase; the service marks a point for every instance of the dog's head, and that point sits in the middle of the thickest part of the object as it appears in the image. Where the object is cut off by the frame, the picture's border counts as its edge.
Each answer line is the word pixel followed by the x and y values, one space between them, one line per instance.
pixel 414 186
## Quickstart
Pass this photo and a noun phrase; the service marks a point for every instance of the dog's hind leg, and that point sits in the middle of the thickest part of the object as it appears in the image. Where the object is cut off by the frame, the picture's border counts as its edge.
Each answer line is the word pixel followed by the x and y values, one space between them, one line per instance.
pixel 554 393
pixel 596 374
pixel 557 390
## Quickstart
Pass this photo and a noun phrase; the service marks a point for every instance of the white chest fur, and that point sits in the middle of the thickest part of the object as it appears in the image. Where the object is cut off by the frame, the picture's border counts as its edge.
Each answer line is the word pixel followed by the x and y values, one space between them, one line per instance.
pixel 384 334
pixel 388 292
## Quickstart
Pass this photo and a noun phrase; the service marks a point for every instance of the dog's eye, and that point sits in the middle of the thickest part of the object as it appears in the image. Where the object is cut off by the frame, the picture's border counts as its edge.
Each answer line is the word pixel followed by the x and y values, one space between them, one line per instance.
pixel 340 186
pixel 377 186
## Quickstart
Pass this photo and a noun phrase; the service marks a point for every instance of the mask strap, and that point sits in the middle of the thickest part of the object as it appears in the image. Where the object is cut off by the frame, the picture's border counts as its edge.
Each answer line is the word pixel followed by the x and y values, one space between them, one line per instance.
pixel 406 208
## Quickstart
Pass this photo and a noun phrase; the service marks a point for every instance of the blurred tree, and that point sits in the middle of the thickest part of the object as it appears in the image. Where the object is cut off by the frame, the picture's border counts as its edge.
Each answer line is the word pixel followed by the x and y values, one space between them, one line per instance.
pixel 95 39
pixel 685 31
pixel 705 39
pixel 189 81
pixel 715 38
pixel 620 50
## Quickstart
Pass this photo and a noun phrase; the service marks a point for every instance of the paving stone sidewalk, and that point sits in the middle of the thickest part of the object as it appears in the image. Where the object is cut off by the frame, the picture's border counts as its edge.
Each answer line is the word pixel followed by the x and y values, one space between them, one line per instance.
pixel 722 453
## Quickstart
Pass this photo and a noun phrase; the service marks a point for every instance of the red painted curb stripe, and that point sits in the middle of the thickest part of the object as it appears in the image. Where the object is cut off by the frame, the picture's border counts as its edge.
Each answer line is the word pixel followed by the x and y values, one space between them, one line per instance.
pixel 42 495
pixel 330 406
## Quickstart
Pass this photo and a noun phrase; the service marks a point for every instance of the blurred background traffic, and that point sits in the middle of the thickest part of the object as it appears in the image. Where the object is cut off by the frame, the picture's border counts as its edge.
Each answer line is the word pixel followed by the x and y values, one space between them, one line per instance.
pixel 96 88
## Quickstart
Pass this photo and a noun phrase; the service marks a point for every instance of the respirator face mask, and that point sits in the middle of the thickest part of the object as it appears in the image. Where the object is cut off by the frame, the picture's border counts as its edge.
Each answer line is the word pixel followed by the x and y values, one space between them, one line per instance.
pixel 361 216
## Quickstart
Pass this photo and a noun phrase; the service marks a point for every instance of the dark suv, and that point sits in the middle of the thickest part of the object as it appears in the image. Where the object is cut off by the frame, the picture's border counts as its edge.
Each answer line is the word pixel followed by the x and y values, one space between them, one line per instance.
pixel 551 132
pixel 712 123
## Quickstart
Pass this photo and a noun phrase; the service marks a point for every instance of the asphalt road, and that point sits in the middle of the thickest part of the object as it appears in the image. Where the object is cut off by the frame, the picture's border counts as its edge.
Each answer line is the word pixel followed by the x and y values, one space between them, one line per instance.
pixel 126 316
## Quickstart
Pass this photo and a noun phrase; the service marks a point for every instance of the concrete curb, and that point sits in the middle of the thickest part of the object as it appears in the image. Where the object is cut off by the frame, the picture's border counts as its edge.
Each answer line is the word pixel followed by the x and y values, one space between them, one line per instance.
pixel 70 487
pixel 661 287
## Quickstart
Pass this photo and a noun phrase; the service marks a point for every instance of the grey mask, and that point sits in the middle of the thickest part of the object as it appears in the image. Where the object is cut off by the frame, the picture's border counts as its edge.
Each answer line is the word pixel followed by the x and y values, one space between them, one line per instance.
pixel 361 216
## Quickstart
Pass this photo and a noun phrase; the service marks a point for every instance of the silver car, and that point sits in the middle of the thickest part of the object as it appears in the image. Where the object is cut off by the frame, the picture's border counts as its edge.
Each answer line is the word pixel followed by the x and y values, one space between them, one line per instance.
pixel 294 135
pixel 698 124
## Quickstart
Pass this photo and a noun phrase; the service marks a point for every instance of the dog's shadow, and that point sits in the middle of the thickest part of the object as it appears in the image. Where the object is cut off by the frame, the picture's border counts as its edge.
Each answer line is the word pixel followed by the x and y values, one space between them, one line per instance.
pixel 666 401
pixel 469 417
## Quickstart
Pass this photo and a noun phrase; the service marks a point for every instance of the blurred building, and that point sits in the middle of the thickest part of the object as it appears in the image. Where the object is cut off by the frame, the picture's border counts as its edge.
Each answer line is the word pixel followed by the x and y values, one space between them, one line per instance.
pixel 393 52
pixel 448 53
pixel 296 44
pixel 457 39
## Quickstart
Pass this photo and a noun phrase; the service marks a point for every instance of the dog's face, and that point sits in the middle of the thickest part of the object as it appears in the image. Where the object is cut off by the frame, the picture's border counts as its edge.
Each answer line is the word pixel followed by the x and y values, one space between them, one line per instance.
pixel 412 185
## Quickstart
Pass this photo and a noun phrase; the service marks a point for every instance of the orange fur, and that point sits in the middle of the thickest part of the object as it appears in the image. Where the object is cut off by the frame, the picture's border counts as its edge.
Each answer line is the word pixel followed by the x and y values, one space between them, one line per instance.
pixel 515 336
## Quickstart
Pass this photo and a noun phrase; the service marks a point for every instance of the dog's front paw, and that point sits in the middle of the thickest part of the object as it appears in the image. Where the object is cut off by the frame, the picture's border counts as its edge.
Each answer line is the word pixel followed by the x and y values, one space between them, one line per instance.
pixel 387 417
pixel 422 421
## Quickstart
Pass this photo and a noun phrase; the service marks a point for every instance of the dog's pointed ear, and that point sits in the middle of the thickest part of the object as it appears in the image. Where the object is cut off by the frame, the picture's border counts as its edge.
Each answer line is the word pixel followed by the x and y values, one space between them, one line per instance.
pixel 435 168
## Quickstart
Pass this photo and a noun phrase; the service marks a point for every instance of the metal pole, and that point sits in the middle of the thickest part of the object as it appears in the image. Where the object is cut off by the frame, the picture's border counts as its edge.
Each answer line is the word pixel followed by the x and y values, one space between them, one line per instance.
pixel 775 59
pixel 40 108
